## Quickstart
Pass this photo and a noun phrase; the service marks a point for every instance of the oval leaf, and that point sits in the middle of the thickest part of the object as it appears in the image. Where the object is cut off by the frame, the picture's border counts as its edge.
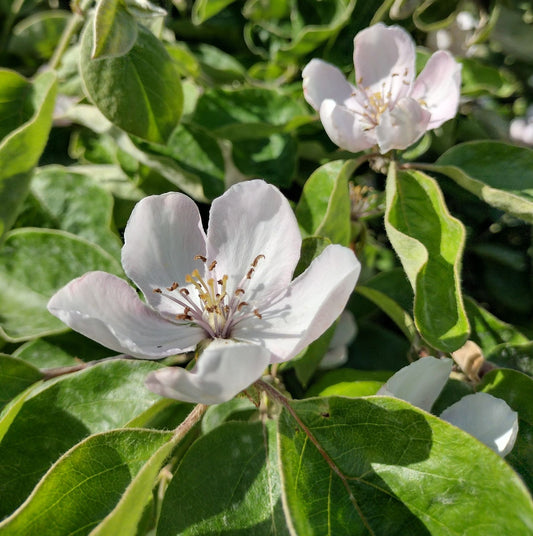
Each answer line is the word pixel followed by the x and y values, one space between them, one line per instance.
pixel 429 242
pixel 140 91
pixel 499 173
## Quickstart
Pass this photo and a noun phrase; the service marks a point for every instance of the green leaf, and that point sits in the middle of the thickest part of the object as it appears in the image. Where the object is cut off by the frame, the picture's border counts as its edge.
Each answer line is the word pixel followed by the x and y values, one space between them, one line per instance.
pixel 273 159
pixel 145 80
pixel 487 330
pixel 34 264
pixel 433 15
pixel 248 113
pixel 35 38
pixel 236 409
pixel 498 173
pixel 205 9
pixel 237 463
pixel 344 381
pixel 312 247
pixel 26 117
pixel 324 208
pixel 61 413
pixel 73 202
pixel 115 29
pixel 390 468
pixel 15 377
pixel 479 78
pixel 515 356
pixel 516 388
pixel 429 242
pixel 88 481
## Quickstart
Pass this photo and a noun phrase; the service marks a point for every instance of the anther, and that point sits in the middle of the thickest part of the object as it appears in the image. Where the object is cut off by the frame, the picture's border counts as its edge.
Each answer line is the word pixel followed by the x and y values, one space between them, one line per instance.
pixel 256 260
pixel 212 265
pixel 200 258
pixel 241 305
pixel 157 290
pixel 172 287
pixel 257 313
pixel 184 317
pixel 184 291
pixel 249 274
pixel 239 291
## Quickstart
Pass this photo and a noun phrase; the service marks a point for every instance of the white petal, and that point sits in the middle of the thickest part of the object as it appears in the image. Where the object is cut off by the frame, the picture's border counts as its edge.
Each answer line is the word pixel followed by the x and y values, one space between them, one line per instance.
pixel 333 358
pixel 253 218
pixel 420 383
pixel 163 235
pixel 311 304
pixel 345 330
pixel 487 418
pixel 384 59
pixel 345 127
pixel 321 81
pixel 105 308
pixel 438 88
pixel 224 369
pixel 402 126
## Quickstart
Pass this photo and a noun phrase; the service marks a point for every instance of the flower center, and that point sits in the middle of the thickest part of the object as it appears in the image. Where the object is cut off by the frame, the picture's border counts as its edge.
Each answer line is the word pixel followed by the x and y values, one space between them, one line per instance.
pixel 214 309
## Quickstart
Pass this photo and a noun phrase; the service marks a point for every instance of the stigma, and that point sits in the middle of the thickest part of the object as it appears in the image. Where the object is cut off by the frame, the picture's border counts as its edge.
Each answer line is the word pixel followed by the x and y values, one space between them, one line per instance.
pixel 206 301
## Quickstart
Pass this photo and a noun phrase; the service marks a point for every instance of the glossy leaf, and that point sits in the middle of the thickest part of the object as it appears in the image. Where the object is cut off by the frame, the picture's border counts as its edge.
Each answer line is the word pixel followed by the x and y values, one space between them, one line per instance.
pixel 145 80
pixel 205 9
pixel 237 463
pixel 390 468
pixel 61 413
pixel 15 377
pixel 115 29
pixel 515 356
pixel 324 207
pixel 429 242
pixel 87 482
pixel 498 173
pixel 26 117
pixel 34 264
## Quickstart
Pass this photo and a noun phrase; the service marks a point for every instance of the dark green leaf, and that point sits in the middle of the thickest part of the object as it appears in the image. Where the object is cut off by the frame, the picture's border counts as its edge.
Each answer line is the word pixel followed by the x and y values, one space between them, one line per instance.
pixel 15 376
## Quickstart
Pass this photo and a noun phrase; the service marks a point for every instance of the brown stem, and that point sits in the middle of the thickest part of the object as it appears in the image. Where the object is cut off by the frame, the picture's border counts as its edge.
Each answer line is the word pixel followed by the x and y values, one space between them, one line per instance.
pixel 193 418
pixel 50 373
pixel 276 395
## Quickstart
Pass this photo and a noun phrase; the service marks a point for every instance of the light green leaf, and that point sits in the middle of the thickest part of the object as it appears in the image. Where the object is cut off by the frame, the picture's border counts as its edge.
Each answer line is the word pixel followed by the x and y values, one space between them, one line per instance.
pixel 26 117
pixel 248 113
pixel 498 173
pixel 87 482
pixel 205 9
pixel 73 202
pixel 236 409
pixel 34 264
pixel 390 468
pixel 237 463
pixel 324 208
pixel 15 377
pixel 429 242
pixel 61 413
pixel 343 381
pixel 479 78
pixel 115 29
pixel 432 15
pixel 144 80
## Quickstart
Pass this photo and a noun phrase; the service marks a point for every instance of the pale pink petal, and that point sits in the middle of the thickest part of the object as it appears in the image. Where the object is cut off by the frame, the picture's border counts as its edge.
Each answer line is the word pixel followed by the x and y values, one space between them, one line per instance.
pixel 438 88
pixel 254 221
pixel 321 81
pixel 384 59
pixel 313 301
pixel 223 370
pixel 402 126
pixel 420 383
pixel 487 418
pixel 163 235
pixel 334 357
pixel 345 127
pixel 106 309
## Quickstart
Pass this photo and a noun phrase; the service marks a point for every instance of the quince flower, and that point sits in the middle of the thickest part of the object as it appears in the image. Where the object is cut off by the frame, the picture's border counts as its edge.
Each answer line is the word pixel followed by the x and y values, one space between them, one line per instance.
pixel 337 352
pixel 388 108
pixel 487 418
pixel 229 291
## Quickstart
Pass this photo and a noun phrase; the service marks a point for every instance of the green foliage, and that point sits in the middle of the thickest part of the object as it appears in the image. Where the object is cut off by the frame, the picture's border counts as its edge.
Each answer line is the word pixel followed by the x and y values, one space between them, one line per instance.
pixel 429 242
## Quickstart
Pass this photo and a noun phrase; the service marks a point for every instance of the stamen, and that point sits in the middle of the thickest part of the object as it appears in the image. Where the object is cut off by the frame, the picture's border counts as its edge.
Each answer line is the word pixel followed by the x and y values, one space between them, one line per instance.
pixel 256 313
pixel 172 287
pixel 184 291
pixel 200 258
pixel 212 265
pixel 157 290
pixel 241 305
pixel 256 260
pixel 250 273
pixel 239 291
